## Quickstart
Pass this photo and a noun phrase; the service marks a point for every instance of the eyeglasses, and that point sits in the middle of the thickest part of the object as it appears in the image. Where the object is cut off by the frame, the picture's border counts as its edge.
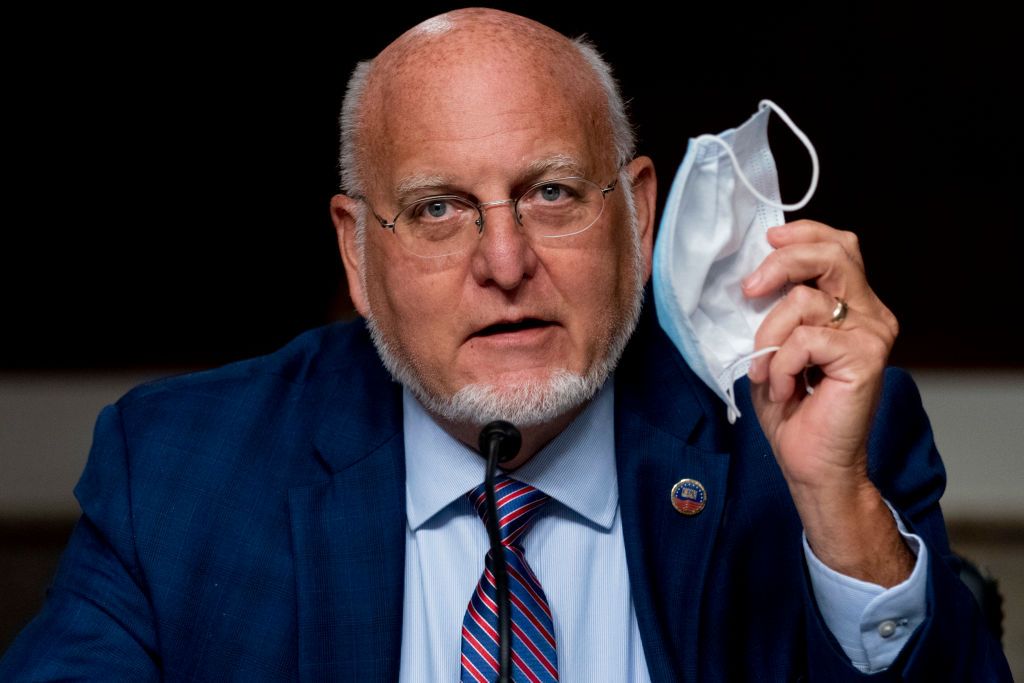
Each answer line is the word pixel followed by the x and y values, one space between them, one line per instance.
pixel 448 224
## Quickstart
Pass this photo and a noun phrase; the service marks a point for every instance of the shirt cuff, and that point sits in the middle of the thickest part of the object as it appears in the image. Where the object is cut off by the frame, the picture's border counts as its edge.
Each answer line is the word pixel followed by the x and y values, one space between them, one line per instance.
pixel 871 623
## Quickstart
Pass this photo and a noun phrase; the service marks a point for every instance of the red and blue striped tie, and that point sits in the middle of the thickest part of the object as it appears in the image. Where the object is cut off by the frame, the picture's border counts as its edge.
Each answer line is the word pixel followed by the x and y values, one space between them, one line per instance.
pixel 533 636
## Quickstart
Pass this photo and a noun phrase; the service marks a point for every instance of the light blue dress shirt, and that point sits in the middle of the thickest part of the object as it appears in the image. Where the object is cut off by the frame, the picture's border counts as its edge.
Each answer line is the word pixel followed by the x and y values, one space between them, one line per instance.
pixel 576 549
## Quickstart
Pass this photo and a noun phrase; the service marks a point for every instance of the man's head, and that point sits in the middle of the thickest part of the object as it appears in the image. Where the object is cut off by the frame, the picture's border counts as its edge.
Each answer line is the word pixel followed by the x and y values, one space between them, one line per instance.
pixel 482 104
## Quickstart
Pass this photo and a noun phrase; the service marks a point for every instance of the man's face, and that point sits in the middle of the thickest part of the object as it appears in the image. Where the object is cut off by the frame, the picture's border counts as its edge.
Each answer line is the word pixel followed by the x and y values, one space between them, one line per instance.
pixel 515 314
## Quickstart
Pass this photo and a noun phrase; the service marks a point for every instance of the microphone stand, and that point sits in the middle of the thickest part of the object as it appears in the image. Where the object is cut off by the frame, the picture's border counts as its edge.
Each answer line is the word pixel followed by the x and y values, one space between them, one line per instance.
pixel 499 442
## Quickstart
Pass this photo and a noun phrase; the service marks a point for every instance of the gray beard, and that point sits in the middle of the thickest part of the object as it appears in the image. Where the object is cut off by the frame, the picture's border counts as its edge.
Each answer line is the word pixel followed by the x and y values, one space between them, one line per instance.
pixel 524 404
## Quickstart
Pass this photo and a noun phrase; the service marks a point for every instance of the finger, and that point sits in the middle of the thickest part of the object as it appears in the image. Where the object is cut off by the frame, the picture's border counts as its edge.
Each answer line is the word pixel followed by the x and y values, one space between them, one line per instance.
pixel 802 306
pixel 826 263
pixel 845 356
pixel 809 307
pixel 813 231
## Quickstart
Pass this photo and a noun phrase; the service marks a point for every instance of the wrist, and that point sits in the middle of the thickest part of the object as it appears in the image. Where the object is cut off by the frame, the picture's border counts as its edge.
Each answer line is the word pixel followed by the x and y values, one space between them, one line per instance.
pixel 852 531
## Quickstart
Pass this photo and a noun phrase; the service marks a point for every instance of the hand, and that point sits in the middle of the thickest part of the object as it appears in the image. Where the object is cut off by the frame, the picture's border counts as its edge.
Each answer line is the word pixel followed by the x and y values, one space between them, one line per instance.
pixel 820 439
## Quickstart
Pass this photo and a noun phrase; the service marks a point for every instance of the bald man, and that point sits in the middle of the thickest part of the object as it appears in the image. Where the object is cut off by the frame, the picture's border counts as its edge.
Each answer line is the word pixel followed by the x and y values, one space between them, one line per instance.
pixel 315 514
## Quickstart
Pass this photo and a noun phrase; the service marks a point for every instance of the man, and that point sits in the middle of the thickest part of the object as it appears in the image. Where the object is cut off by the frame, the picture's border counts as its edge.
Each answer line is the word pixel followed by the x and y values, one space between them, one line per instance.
pixel 299 516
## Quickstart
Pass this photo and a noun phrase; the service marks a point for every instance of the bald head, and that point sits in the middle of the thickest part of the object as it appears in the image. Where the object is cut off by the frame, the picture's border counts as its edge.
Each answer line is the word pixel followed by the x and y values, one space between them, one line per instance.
pixel 484 55
pixel 466 35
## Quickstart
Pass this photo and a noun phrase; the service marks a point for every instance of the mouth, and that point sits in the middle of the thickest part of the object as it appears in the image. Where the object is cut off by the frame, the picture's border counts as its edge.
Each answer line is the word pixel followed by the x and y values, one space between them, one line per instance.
pixel 509 327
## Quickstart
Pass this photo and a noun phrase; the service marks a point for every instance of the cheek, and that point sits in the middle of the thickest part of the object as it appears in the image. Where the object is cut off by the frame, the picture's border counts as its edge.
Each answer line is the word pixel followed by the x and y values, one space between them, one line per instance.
pixel 414 298
pixel 604 267
pixel 590 281
pixel 608 282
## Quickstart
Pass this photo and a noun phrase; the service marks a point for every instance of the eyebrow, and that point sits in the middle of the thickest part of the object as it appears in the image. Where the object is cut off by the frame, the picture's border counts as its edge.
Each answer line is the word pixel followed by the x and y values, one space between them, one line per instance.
pixel 417 185
pixel 420 185
pixel 556 163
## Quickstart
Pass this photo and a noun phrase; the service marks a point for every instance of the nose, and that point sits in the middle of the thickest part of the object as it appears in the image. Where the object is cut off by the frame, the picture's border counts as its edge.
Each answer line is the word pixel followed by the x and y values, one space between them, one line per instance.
pixel 503 255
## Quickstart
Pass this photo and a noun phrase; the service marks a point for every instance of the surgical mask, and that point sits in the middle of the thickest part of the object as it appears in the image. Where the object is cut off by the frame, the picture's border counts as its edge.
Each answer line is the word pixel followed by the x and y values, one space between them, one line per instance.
pixel 713 233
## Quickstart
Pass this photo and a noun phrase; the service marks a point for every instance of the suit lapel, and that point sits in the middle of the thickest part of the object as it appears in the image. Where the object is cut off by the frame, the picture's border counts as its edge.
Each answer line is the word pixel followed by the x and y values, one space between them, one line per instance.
pixel 348 534
pixel 665 431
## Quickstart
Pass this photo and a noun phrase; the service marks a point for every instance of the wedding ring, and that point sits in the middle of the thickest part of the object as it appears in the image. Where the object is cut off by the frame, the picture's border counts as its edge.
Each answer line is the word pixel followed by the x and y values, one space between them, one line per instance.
pixel 839 312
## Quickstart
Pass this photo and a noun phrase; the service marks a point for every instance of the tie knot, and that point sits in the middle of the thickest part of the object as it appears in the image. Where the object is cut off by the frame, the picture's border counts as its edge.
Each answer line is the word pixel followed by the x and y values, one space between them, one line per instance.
pixel 518 505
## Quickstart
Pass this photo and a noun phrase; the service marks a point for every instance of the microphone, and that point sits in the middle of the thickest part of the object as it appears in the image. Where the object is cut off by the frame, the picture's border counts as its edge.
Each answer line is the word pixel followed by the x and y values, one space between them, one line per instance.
pixel 499 442
pixel 504 437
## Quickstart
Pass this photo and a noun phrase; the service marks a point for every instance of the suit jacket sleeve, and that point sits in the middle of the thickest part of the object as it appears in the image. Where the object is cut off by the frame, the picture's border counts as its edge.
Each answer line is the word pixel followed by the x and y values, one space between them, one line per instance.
pixel 953 643
pixel 97 621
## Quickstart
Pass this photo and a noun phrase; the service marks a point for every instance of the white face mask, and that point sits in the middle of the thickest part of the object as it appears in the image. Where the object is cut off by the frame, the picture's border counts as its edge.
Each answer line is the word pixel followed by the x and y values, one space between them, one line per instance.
pixel 713 234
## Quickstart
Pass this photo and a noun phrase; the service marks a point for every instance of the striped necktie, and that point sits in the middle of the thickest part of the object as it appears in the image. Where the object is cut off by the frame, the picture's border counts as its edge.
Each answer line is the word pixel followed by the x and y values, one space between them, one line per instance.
pixel 533 636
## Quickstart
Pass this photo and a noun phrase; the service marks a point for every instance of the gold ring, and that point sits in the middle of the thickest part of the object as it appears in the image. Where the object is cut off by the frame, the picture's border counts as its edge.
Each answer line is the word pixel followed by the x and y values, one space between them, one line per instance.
pixel 839 312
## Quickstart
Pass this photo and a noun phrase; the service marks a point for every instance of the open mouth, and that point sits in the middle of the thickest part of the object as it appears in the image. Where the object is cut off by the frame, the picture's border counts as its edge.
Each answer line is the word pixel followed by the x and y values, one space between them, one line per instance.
pixel 505 328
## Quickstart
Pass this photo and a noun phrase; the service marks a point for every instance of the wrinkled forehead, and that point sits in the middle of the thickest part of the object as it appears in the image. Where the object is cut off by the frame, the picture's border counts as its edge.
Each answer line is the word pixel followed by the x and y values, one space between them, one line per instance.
pixel 465 107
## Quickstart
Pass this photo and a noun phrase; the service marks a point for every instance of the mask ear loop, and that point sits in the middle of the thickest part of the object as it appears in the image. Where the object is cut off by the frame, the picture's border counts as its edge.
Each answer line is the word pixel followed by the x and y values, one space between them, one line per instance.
pixel 733 412
pixel 762 105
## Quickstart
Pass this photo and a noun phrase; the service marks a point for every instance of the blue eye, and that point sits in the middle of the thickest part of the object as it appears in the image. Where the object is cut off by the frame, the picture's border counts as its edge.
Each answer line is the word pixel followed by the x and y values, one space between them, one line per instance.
pixel 433 210
pixel 551 192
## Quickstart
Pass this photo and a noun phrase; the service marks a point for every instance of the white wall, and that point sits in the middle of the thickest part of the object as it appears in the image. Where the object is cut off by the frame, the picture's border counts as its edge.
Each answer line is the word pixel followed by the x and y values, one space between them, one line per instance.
pixel 978 420
pixel 46 425
pixel 46 422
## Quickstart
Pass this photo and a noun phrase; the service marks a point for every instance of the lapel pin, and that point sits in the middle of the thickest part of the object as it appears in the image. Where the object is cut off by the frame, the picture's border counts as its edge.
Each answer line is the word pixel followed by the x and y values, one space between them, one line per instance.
pixel 689 496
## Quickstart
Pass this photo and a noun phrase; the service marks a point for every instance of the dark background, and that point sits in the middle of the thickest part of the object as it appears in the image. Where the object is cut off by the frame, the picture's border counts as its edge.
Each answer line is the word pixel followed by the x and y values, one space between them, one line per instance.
pixel 169 173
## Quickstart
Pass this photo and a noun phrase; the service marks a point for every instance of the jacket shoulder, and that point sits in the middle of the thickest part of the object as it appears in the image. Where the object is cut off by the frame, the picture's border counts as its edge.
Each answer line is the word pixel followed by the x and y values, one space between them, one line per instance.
pixel 252 420
pixel 902 458
pixel 321 351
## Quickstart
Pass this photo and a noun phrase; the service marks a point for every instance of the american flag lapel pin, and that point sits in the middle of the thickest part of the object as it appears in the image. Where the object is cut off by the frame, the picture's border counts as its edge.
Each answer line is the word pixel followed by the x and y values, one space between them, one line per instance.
pixel 689 496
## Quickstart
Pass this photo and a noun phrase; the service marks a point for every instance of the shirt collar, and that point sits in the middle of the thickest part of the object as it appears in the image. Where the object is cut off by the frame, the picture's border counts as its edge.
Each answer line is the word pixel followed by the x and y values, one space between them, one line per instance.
pixel 577 468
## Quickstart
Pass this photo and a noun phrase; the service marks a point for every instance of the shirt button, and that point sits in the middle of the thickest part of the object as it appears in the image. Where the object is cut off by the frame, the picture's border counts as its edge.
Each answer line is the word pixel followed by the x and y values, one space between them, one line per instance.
pixel 887 628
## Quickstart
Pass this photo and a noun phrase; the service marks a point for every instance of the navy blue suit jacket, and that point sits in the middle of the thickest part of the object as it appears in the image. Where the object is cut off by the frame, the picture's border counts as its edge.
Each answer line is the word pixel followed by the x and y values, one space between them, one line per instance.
pixel 248 524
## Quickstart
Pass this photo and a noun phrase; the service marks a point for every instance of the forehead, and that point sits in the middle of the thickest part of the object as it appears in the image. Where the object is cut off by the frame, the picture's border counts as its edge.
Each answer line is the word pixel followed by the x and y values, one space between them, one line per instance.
pixel 473 118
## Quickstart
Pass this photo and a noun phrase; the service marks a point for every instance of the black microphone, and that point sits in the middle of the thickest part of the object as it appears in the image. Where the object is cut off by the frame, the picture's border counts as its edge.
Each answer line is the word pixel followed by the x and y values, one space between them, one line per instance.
pixel 499 442
pixel 503 436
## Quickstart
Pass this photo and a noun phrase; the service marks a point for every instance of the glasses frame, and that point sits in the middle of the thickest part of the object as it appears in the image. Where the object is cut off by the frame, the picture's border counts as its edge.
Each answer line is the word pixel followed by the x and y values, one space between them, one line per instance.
pixel 480 206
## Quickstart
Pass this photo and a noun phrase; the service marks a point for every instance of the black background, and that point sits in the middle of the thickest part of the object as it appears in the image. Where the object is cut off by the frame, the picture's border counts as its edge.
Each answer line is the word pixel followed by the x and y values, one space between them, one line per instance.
pixel 169 173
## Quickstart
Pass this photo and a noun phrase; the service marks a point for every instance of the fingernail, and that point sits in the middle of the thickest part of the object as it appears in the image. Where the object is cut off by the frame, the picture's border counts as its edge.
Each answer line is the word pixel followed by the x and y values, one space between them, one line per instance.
pixel 752 280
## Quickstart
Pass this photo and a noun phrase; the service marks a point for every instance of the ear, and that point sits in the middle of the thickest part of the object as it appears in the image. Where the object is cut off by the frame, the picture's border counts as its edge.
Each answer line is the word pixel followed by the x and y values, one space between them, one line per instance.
pixel 343 212
pixel 645 196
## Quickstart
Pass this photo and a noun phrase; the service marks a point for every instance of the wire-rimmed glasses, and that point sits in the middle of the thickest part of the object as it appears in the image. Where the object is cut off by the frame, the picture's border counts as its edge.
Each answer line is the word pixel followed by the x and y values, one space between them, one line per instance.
pixel 448 224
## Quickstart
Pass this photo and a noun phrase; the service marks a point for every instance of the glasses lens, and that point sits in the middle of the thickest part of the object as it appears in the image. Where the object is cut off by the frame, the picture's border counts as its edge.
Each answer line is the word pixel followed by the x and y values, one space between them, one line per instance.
pixel 561 207
pixel 437 226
